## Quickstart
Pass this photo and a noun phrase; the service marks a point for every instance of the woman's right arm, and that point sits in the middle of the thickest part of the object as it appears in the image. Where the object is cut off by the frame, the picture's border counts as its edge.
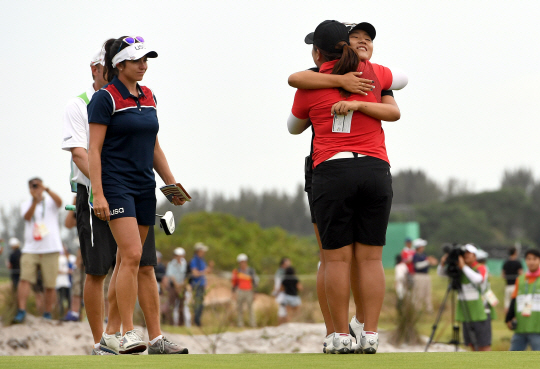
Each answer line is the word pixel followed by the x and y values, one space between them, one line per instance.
pixel 310 80
pixel 387 110
pixel 97 136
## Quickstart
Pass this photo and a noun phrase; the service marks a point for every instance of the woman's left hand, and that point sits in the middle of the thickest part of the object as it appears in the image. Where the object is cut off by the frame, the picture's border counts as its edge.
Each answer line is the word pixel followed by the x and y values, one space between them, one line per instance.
pixel 343 107
pixel 178 201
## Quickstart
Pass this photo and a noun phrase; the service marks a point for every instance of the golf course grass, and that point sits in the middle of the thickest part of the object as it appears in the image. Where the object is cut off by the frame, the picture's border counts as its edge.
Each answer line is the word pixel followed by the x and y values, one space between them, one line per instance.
pixel 476 360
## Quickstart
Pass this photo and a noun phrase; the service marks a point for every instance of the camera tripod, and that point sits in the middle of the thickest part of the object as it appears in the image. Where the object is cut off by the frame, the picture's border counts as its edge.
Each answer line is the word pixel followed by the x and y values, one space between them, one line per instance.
pixel 454 287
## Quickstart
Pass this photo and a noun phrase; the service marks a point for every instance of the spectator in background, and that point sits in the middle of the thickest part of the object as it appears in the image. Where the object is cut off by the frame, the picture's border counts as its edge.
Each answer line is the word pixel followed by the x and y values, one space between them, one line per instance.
pixel 160 270
pixel 175 277
pixel 524 312
pixel 511 270
pixel 407 257
pixel 421 278
pixel 199 271
pixel 400 279
pixel 77 274
pixel 290 286
pixel 244 282
pixel 63 284
pixel 277 292
pixel 14 262
pixel 42 246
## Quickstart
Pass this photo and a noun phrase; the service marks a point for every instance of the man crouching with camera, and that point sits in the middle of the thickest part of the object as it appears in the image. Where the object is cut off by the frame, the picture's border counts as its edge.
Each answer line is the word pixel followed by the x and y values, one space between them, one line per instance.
pixel 470 281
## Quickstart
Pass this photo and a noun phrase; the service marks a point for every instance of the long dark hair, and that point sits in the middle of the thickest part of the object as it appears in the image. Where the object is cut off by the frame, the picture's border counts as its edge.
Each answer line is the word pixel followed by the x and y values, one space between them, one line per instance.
pixel 348 61
pixel 112 47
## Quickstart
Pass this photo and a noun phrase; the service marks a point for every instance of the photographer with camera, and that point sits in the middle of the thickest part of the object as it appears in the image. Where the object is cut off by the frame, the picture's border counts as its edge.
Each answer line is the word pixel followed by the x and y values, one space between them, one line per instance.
pixel 469 279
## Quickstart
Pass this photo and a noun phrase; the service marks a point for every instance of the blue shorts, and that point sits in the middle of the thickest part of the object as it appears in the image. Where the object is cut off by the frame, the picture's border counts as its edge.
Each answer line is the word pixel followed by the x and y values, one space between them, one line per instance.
pixel 126 202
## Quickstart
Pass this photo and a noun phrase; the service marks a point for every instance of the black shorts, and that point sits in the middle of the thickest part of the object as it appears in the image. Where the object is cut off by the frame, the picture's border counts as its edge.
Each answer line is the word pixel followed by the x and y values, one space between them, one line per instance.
pixel 101 256
pixel 127 202
pixel 482 332
pixel 352 200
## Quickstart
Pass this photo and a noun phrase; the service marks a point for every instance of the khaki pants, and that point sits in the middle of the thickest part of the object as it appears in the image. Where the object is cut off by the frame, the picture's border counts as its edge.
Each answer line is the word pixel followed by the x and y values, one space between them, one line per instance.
pixel 175 297
pixel 245 297
pixel 48 263
pixel 422 292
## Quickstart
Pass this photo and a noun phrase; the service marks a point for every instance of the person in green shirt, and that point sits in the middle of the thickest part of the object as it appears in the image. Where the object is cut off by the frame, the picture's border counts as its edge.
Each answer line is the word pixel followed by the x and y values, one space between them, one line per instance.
pixel 524 312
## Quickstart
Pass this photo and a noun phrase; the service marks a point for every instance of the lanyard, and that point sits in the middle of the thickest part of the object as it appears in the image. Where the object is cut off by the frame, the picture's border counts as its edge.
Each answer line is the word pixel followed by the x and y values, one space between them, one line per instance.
pixel 42 211
pixel 534 285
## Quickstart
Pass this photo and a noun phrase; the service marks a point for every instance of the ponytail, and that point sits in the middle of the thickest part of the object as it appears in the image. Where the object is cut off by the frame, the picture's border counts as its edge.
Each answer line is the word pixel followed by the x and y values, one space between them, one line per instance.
pixel 348 61
pixel 112 47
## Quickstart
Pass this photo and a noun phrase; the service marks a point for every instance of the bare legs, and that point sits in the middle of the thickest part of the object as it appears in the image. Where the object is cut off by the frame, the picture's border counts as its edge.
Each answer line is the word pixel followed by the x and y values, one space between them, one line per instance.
pixel 129 237
pixel 321 293
pixel 149 300
pixel 338 274
pixel 372 284
pixel 337 284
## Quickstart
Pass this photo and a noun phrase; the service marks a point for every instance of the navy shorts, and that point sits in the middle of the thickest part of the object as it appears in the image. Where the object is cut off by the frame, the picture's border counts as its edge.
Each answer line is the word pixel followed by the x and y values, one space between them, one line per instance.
pixel 126 202
pixel 98 257
pixel 352 200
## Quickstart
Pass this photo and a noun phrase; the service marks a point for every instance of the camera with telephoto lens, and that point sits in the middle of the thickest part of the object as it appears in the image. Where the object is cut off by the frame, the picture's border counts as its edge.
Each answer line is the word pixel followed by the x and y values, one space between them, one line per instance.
pixel 454 251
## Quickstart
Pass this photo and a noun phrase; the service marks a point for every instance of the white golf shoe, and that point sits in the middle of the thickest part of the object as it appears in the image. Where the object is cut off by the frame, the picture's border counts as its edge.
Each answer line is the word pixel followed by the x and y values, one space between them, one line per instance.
pixel 369 342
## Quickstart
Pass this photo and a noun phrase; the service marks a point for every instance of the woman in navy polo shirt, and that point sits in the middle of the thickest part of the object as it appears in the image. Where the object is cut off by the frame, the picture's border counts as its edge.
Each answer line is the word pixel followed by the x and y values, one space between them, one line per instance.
pixel 123 152
pixel 351 186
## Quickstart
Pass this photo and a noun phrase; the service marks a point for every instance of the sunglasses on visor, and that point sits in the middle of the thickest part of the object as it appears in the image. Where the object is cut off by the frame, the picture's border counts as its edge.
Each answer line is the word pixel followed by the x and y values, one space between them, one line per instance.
pixel 131 41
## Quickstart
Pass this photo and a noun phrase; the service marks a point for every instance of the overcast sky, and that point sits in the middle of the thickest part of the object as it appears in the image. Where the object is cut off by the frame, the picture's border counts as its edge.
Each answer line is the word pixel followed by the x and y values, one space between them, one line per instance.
pixel 469 111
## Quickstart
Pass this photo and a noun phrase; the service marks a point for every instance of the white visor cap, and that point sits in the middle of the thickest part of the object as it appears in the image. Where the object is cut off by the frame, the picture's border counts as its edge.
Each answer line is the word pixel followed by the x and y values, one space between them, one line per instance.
pixel 133 52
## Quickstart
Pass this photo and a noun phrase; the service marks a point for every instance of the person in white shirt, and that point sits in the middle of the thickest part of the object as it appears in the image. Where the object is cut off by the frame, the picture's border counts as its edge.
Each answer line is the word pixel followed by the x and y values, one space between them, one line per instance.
pixel 63 283
pixel 42 245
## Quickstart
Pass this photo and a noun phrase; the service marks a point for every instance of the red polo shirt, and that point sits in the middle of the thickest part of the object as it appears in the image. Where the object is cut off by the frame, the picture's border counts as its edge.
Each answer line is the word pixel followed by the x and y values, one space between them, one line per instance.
pixel 366 136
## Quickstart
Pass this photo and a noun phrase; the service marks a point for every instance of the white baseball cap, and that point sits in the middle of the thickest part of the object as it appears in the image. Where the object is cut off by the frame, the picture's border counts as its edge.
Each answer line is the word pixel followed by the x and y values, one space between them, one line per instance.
pixel 98 58
pixel 241 257
pixel 481 254
pixel 179 251
pixel 14 242
pixel 419 243
pixel 470 248
pixel 201 246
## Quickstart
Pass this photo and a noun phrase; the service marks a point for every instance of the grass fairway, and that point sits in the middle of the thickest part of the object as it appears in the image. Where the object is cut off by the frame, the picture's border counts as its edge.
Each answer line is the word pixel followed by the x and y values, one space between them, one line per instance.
pixel 476 360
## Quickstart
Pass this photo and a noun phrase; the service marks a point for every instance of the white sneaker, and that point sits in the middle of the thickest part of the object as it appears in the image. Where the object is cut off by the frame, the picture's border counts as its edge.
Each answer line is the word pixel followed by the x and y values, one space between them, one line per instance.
pixel 327 343
pixel 355 329
pixel 110 343
pixel 369 342
pixel 341 344
pixel 132 343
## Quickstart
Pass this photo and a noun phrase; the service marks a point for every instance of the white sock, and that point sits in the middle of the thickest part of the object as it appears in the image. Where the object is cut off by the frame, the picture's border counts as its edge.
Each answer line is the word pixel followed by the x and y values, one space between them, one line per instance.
pixel 97 346
pixel 75 314
pixel 356 320
pixel 156 339
pixel 108 335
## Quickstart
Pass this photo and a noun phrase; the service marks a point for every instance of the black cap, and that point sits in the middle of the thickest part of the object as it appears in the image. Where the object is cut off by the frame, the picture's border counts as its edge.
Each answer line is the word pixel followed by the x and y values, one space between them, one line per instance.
pixel 365 26
pixel 327 35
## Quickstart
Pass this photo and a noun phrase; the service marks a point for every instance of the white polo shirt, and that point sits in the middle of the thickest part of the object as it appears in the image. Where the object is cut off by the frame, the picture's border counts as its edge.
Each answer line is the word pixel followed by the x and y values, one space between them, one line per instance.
pixel 46 216
pixel 76 132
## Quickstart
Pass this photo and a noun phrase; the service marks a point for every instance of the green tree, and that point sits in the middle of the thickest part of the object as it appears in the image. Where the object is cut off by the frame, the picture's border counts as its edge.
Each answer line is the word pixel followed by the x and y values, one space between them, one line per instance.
pixel 227 236
pixel 414 187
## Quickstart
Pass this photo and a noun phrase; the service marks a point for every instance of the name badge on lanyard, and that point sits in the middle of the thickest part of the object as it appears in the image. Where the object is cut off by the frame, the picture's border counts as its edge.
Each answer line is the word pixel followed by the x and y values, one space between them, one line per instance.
pixel 342 123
